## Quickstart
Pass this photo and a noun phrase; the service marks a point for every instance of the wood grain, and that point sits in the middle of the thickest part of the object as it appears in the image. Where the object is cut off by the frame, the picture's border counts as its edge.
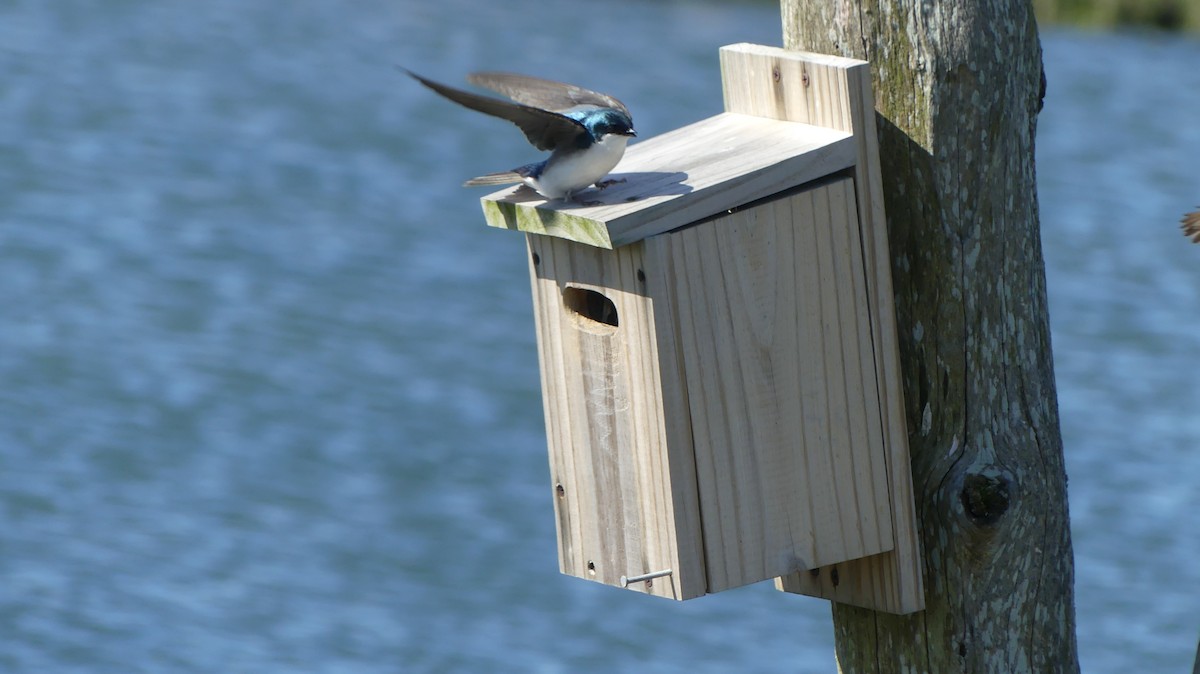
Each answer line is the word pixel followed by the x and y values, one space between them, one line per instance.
pixel 836 92
pixel 784 407
pixel 620 447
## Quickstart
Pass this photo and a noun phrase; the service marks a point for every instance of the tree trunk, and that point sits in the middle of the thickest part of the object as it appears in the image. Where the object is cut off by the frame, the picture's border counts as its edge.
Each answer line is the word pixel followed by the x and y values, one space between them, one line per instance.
pixel 958 87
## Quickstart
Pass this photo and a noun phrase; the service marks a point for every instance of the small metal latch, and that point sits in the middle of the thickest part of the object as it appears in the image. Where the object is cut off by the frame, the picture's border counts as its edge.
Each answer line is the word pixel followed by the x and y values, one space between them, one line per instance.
pixel 626 580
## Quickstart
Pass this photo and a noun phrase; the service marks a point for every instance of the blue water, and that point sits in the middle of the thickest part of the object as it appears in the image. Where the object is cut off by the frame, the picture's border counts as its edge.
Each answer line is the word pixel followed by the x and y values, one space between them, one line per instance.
pixel 268 389
pixel 1118 145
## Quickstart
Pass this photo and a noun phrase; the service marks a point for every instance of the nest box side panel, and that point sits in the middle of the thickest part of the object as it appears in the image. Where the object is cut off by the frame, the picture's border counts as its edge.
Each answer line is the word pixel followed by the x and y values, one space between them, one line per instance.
pixel 836 92
pixel 621 469
pixel 780 375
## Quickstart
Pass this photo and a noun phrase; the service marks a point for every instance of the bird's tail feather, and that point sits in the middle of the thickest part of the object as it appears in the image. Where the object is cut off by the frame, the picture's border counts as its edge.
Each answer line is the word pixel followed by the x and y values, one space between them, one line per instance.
pixel 502 178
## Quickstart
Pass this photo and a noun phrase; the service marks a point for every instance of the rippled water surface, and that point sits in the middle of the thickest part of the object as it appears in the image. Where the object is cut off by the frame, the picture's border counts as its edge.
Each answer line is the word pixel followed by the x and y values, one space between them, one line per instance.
pixel 270 396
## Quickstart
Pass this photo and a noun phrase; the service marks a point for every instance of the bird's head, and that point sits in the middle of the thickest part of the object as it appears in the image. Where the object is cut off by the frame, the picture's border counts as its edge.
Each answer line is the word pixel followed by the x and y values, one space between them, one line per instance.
pixel 606 121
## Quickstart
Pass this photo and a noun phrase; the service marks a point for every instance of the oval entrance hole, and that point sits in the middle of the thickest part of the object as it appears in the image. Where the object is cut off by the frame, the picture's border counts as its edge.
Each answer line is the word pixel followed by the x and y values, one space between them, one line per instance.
pixel 591 306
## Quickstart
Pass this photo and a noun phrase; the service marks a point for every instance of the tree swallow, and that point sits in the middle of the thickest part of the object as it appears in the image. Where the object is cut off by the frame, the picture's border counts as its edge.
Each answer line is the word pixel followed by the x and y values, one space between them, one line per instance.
pixel 585 131
pixel 1191 226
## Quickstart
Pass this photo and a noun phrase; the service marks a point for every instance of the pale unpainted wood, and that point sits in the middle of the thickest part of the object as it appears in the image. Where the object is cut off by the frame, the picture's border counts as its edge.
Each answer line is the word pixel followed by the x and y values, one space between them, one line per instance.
pixel 848 331
pixel 789 455
pixel 681 177
pixel 616 428
pixel 897 579
pixel 835 91
pixel 875 581
pixel 788 86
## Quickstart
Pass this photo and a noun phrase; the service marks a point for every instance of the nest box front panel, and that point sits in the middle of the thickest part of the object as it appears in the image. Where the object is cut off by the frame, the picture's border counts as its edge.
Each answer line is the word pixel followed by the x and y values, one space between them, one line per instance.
pixel 620 457
pixel 781 385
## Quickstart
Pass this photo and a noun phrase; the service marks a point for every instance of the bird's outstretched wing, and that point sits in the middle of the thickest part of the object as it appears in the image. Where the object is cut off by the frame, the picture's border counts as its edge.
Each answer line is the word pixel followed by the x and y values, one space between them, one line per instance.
pixel 546 130
pixel 1191 226
pixel 545 94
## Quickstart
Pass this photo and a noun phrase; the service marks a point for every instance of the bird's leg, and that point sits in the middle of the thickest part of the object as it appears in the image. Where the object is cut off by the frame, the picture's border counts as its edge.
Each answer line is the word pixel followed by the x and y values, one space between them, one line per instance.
pixel 572 198
pixel 609 183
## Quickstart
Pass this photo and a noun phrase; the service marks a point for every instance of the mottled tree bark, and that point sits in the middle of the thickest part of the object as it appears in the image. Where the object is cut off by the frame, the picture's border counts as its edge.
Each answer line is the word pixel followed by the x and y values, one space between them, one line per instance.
pixel 958 86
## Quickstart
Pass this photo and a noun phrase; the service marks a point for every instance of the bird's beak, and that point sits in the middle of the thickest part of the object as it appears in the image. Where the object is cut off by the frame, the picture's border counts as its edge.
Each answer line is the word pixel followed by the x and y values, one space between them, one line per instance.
pixel 632 133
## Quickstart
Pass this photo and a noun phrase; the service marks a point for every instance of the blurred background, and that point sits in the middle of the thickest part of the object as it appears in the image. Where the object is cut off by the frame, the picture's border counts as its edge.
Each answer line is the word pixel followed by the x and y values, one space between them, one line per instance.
pixel 269 398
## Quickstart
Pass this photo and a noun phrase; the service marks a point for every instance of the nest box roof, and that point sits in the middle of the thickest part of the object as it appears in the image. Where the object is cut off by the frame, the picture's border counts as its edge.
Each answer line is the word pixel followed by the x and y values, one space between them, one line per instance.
pixel 681 177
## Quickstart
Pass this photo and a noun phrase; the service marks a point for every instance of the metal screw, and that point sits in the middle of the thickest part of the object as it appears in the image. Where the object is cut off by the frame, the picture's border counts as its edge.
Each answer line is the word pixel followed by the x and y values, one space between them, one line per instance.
pixel 626 580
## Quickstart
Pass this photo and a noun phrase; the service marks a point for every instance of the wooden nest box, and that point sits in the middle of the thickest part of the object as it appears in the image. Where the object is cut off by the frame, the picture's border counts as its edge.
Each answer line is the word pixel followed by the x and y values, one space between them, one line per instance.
pixel 718 350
